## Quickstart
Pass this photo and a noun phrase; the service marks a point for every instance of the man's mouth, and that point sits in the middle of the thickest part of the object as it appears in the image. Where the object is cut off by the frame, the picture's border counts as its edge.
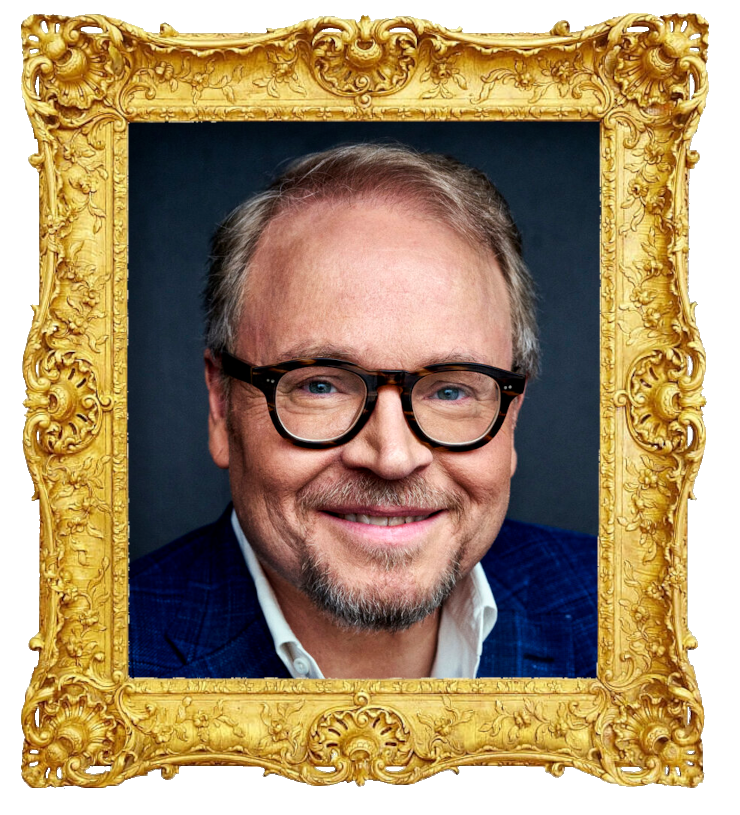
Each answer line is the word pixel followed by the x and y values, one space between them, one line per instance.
pixel 383 526
pixel 370 508
pixel 384 520
pixel 384 517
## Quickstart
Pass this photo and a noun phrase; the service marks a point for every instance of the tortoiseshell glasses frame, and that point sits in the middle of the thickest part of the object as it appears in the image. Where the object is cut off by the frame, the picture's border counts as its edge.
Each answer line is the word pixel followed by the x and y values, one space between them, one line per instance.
pixel 267 377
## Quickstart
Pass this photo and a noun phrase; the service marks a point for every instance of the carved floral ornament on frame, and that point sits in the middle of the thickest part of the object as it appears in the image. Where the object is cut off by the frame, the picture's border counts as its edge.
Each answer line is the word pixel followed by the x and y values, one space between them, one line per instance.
pixel 86 722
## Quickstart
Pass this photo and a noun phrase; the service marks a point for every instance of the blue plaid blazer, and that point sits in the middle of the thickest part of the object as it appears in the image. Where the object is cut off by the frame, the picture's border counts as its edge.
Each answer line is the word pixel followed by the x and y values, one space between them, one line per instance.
pixel 194 609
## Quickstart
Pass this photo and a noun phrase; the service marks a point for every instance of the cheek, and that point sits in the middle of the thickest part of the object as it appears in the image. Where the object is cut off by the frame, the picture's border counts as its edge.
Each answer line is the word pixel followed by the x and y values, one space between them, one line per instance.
pixel 265 469
pixel 266 472
pixel 485 473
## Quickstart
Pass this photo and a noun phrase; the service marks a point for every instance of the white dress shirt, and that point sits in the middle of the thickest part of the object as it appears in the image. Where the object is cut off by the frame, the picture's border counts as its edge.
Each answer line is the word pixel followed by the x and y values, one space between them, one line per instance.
pixel 468 615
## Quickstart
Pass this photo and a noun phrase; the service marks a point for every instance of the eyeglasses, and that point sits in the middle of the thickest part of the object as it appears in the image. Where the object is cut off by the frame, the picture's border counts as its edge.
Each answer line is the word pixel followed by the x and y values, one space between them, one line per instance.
pixel 321 403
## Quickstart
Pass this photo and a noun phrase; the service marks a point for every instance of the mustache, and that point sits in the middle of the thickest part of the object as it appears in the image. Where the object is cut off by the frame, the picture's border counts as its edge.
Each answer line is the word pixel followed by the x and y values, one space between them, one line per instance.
pixel 366 489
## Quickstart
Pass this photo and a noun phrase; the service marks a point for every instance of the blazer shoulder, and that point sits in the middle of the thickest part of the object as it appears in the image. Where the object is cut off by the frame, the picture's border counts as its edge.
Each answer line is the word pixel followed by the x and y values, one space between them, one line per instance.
pixel 545 583
pixel 194 611
pixel 540 545
pixel 515 534
pixel 542 567
pixel 186 554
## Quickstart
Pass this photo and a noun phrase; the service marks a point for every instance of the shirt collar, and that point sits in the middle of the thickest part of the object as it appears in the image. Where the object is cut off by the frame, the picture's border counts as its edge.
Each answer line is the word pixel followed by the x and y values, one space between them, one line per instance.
pixel 467 618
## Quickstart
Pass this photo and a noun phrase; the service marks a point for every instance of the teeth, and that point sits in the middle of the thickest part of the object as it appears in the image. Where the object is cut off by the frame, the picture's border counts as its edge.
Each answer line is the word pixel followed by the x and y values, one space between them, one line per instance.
pixel 383 520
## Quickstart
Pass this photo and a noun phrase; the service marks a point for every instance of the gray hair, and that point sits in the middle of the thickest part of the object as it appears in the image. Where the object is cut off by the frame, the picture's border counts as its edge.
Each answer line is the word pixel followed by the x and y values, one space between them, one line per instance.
pixel 459 196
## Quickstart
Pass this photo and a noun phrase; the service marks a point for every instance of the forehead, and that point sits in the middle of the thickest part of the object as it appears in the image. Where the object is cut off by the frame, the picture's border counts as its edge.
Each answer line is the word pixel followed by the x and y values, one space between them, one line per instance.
pixel 384 284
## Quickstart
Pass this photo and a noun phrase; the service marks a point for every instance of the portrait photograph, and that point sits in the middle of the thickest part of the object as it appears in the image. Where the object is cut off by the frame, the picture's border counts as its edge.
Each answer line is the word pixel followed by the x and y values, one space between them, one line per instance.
pixel 370 409
pixel 204 166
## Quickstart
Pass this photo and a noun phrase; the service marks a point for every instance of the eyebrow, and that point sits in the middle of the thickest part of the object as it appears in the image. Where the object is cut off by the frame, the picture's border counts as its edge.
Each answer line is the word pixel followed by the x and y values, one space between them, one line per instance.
pixel 313 351
pixel 351 355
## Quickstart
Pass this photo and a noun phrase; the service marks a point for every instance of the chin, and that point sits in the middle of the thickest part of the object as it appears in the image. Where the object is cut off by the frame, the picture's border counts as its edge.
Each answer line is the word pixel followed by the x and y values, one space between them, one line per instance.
pixel 387 602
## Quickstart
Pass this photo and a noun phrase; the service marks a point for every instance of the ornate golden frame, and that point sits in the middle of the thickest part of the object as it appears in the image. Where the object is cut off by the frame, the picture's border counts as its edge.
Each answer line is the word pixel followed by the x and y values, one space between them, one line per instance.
pixel 86 722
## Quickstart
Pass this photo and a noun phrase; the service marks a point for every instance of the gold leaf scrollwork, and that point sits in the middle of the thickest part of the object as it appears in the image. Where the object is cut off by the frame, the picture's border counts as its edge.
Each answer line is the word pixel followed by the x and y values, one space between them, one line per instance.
pixel 196 727
pixel 67 64
pixel 445 738
pixel 653 67
pixel 70 729
pixel 282 73
pixel 66 410
pixel 201 76
pixel 538 76
pixel 284 736
pixel 443 74
pixel 363 59
pixel 360 743
pixel 664 401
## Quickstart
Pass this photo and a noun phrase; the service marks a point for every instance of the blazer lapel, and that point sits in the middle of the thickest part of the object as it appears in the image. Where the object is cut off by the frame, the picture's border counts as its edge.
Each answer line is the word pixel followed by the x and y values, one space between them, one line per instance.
pixel 220 630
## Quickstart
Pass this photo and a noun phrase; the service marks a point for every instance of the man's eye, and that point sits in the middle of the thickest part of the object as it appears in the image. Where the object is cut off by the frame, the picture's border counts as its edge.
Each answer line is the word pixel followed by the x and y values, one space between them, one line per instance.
pixel 449 393
pixel 320 387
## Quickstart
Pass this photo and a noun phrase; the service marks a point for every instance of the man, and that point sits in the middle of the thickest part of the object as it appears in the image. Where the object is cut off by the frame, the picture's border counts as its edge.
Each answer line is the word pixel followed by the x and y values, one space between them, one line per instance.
pixel 370 328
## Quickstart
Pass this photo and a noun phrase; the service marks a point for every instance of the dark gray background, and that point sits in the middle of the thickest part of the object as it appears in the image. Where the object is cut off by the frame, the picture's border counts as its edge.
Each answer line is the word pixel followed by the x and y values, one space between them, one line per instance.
pixel 185 178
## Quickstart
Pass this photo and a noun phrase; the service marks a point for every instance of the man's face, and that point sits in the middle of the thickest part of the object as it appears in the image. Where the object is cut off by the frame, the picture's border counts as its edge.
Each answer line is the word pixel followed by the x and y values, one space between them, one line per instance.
pixel 384 287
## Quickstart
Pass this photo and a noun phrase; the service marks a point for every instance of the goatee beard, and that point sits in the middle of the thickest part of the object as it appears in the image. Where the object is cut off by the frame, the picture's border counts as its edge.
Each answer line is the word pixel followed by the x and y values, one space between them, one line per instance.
pixel 368 609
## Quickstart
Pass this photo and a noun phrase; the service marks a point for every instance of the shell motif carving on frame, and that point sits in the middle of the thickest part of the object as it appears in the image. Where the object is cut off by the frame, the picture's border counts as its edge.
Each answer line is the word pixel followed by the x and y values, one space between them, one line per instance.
pixel 653 67
pixel 365 59
pixel 65 407
pixel 69 729
pixel 664 401
pixel 68 65
pixel 659 733
pixel 361 742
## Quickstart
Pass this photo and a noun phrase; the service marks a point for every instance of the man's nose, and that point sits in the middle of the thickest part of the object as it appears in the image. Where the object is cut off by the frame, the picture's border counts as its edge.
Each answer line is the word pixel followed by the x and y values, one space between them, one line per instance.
pixel 387 445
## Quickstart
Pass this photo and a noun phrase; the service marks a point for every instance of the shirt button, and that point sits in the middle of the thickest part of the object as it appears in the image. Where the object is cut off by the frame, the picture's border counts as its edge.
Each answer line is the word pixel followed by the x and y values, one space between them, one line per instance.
pixel 301 666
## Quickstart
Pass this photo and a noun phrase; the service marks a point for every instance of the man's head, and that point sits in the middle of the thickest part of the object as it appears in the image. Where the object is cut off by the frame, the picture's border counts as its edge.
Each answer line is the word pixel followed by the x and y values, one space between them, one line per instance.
pixel 390 260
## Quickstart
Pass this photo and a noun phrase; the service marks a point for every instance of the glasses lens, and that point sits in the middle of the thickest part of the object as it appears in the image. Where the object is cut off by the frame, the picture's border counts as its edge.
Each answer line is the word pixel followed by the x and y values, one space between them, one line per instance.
pixel 319 404
pixel 456 407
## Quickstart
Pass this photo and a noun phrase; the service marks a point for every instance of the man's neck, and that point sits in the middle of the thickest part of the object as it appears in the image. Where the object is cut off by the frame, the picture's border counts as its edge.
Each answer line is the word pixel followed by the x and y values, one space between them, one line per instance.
pixel 344 653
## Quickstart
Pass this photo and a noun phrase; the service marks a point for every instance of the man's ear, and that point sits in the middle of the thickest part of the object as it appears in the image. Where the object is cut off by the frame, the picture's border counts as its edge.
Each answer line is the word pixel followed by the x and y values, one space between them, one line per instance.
pixel 513 416
pixel 218 408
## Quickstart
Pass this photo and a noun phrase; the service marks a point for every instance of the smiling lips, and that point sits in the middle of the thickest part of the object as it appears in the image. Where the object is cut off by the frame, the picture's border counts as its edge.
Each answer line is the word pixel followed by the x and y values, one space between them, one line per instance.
pixel 384 520
pixel 384 517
